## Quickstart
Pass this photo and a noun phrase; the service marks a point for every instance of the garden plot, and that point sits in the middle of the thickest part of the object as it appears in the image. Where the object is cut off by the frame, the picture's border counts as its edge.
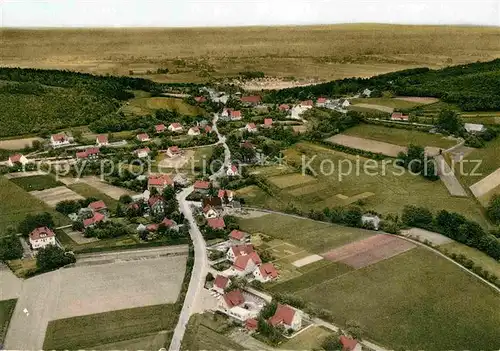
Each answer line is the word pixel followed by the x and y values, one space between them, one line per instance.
pixel 369 251
pixel 177 161
pixel 367 145
pixel 105 188
pixel 55 195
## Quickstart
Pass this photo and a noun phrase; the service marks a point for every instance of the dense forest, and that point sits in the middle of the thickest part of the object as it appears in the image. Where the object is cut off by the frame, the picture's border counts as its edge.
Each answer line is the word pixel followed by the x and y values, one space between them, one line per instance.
pixel 473 87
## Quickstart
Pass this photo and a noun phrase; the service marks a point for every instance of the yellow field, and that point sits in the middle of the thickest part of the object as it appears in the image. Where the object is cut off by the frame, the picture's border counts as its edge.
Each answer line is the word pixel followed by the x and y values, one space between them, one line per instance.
pixel 146 105
pixel 290 180
pixel 197 54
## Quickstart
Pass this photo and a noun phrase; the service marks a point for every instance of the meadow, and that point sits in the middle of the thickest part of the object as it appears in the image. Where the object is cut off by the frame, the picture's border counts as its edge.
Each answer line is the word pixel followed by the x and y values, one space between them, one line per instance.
pixel 6 311
pixel 415 300
pixel 387 102
pixel 17 203
pixel 373 190
pixel 86 191
pixel 147 105
pixel 95 330
pixel 324 52
pixel 37 182
pixel 398 136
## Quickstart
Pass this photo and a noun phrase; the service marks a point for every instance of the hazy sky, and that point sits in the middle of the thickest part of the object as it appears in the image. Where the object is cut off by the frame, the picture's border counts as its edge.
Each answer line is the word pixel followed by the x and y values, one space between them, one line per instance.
pixel 175 13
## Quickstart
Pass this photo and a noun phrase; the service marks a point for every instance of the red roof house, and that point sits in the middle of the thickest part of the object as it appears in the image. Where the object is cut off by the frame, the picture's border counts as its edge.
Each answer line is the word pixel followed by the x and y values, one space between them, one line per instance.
pixel 160 128
pixel 237 235
pixel 175 127
pixel 321 100
pixel 284 107
pixel 398 116
pixel 251 324
pixel 307 103
pixel 240 250
pixel 143 137
pixel 234 298
pixel 251 127
pixel 159 181
pixel 268 122
pixel 201 185
pixel 41 232
pixel 216 223
pixel 208 129
pixel 97 206
pixel 267 271
pixel 200 99
pixel 247 263
pixel 284 315
pixel 253 99
pixel 235 115
pixel 220 283
pixel 102 140
pixel 348 344
pixel 98 217
pixel 168 222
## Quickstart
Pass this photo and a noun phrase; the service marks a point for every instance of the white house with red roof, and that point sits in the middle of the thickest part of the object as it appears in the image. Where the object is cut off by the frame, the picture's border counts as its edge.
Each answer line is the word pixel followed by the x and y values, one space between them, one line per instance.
pixel 225 194
pixel 245 264
pixel 41 237
pixel 226 112
pixel 251 99
pixel 286 316
pixel 237 237
pixel 194 131
pixel 268 122
pixel 175 127
pixel 159 182
pixel 142 153
pixel 201 186
pixel 102 140
pixel 92 221
pixel 143 137
pixel 251 127
pixel 210 212
pixel 89 154
pixel 265 272
pixel 160 128
pixel 349 344
pixel 235 115
pixel 306 104
pixel 232 171
pixel 156 204
pixel 98 206
pixel 173 151
pixel 234 304
pixel 17 159
pixel 58 140
pixel 216 223
pixel 399 116
pixel 284 107
pixel 220 283
pixel 321 102
pixel 239 250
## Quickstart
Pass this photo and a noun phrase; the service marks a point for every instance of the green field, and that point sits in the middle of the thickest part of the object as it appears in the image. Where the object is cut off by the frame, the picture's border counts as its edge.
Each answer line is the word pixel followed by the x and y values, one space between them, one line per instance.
pixel 309 339
pixel 17 203
pixel 37 182
pixel 388 102
pixel 147 105
pixel 113 243
pixel 384 194
pixel 398 136
pixel 321 236
pixel 98 330
pixel 490 162
pixel 89 191
pixel 206 332
pixel 6 311
pixel 486 262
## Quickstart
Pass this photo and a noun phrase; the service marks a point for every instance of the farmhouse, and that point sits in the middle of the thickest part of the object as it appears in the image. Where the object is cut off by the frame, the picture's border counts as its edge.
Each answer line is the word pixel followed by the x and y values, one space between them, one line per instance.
pixel 216 223
pixel 399 116
pixel 251 100
pixel 42 237
pixel 175 127
pixel 237 237
pixel 201 186
pixel 239 250
pixel 98 206
pixel 220 283
pixel 349 344
pixel 143 137
pixel 17 159
pixel 251 127
pixel 156 205
pixel 234 305
pixel 265 272
pixel 160 128
pixel 142 153
pixel 92 221
pixel 173 151
pixel 58 140
pixel 225 196
pixel 193 131
pixel 474 128
pixel 159 182
pixel 232 171
pixel 102 140
pixel 286 316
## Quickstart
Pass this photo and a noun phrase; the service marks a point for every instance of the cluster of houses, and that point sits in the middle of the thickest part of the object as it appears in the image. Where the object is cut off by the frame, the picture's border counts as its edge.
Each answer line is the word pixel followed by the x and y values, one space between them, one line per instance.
pixel 174 128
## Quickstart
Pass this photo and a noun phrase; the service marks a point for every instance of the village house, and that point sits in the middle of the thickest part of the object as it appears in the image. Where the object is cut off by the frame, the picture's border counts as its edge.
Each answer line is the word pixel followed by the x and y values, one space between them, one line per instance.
pixel 42 237
pixel 399 116
pixel 344 103
pixel 287 317
pixel 284 107
pixel 321 102
pixel 220 283
pixel 265 272
pixel 213 201
pixel 234 305
pixel 143 137
pixel 159 182
pixel 160 128
pixel 232 171
pixel 251 324
pixel 251 100
pixel 245 264
pixel 99 206
pixel 474 128
pixel 175 127
pixel 210 212
pixel 251 127
pixel 92 221
pixel 237 237
pixel 268 122
pixel 239 250
pixel 173 151
pixel 201 186
pixel 298 110
pixel 248 145
pixel 349 344
pixel 156 205
pixel 307 104
pixel 200 99
pixel 101 140
pixel 193 131
pixel 367 92
pixel 226 112
pixel 208 129
pixel 370 218
pixel 235 115
pixel 89 154
pixel 226 196
pixel 142 153
pixel 58 140
pixel 17 159
pixel 216 223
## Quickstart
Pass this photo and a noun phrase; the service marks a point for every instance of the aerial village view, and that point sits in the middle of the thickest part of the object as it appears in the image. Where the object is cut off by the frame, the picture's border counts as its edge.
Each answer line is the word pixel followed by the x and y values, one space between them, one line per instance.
pixel 264 175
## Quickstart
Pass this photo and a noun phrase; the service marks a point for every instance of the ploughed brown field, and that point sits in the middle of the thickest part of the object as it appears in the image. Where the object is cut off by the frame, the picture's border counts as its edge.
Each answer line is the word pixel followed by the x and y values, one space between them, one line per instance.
pixel 197 54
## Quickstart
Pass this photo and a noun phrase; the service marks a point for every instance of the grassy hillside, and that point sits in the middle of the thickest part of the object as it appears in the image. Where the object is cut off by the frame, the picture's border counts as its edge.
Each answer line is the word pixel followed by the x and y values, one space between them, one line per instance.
pixel 326 52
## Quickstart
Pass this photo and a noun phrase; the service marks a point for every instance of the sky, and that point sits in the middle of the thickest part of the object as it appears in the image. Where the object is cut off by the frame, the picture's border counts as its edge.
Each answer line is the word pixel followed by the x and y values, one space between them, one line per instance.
pixel 201 13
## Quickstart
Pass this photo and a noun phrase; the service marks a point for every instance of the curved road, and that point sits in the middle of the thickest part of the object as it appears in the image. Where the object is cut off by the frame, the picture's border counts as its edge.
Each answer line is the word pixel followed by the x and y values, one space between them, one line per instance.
pixel 200 268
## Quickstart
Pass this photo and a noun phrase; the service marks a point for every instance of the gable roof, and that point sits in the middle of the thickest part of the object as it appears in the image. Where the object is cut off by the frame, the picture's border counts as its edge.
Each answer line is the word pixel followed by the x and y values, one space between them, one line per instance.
pixel 146 149
pixel 211 201
pixel 97 205
pixel 98 217
pixel 307 103
pixel 253 99
pixel 142 136
pixel 59 137
pixel 160 180
pixel 223 193
pixel 235 114
pixel 237 234
pixel 167 222
pixel 234 298
pixel 268 270
pixel 200 99
pixel 251 126
pixel 15 158
pixel 239 250
pixel 202 184
pixel 81 154
pixel 153 200
pixel 348 344
pixel 160 127
pixel 321 100
pixel 251 324
pixel 102 138
pixel 208 129
pixel 221 282
pixel 194 129
pixel 284 107
pixel 41 232
pixel 268 121
pixel 216 223
pixel 175 125
pixel 174 149
pixel 284 314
